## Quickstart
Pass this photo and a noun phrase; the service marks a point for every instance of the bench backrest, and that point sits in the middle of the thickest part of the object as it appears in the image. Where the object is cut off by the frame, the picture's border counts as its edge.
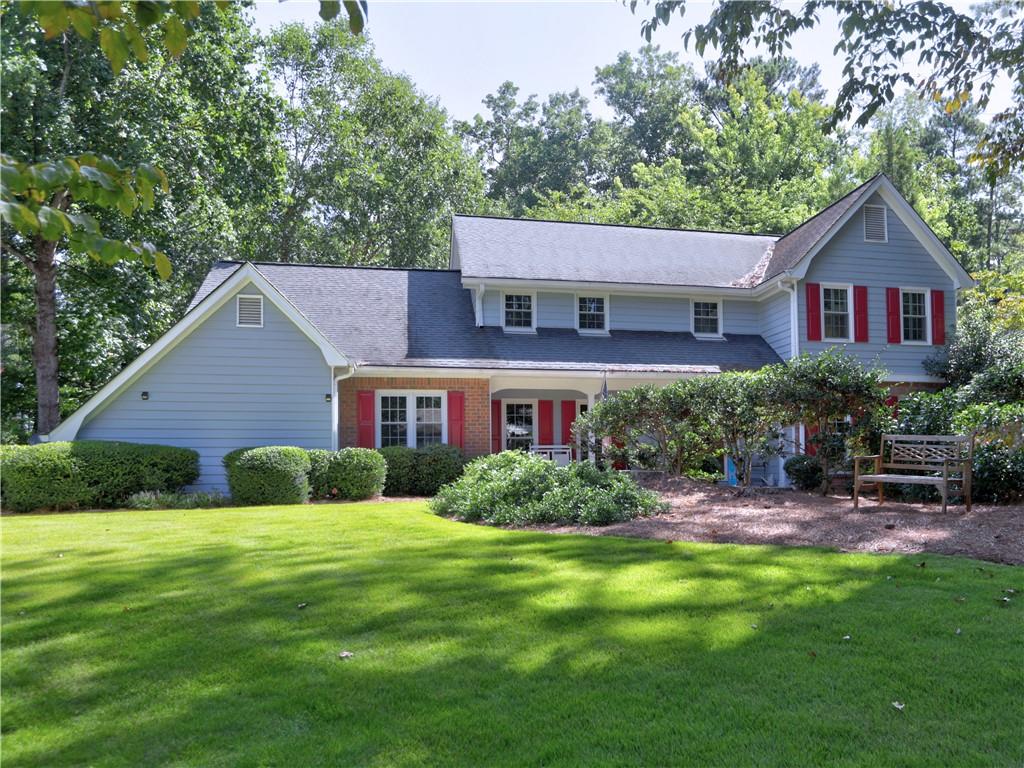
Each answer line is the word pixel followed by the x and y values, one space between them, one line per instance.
pixel 926 452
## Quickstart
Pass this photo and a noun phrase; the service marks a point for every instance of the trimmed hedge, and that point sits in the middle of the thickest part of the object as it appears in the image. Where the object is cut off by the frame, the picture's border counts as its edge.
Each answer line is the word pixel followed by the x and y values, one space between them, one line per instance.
pixel 422 471
pixel 351 474
pixel 91 473
pixel 401 475
pixel 274 474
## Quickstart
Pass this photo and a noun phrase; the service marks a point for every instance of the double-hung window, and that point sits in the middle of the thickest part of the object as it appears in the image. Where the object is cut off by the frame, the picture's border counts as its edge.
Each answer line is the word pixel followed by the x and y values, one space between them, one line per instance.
pixel 411 419
pixel 519 312
pixel 592 314
pixel 914 315
pixel 707 318
pixel 835 312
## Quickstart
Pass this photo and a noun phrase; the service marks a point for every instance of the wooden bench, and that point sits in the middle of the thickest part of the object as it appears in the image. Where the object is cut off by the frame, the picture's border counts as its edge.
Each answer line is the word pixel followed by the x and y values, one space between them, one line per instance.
pixel 939 460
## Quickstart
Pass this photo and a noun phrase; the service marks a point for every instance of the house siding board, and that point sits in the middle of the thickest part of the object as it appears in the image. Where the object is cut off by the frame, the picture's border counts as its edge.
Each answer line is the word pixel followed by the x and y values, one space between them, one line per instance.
pixel 223 388
pixel 555 310
pixel 901 262
pixel 741 317
pixel 648 313
pixel 774 323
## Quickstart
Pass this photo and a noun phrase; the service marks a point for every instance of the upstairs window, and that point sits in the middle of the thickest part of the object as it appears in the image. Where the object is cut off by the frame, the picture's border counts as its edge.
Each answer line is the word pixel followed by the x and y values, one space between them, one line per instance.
pixel 914 306
pixel 875 224
pixel 835 310
pixel 592 313
pixel 707 320
pixel 519 311
pixel 249 311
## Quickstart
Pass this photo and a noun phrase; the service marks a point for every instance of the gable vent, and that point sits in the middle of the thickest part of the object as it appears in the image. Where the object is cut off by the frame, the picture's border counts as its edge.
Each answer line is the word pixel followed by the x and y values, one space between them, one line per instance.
pixel 250 311
pixel 875 230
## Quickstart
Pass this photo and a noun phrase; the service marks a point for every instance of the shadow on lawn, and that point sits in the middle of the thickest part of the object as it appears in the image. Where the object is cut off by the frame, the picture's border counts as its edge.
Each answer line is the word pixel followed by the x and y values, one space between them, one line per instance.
pixel 476 646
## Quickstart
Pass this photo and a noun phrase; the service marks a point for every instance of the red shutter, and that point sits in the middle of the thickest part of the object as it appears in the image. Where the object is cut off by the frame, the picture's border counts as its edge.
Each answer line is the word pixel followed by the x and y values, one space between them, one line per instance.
pixel 456 418
pixel 892 314
pixel 938 317
pixel 495 426
pixel 860 314
pixel 546 420
pixel 366 433
pixel 568 417
pixel 810 431
pixel 813 312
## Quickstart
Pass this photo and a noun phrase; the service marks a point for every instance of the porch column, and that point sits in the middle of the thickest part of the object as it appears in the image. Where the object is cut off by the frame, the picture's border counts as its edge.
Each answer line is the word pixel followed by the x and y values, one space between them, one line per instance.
pixel 590 441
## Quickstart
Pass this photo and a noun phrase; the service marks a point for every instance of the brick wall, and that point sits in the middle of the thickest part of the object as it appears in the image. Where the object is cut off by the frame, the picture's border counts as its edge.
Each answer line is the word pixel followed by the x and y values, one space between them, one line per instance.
pixel 478 406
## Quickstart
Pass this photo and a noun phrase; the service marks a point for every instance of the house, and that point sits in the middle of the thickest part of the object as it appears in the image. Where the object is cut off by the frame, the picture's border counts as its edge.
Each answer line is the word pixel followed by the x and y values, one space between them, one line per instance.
pixel 531 322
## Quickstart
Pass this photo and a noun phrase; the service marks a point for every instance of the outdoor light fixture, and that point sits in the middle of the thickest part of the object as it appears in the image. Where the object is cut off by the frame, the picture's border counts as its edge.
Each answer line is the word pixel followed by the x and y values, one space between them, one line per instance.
pixel 327 398
pixel 145 395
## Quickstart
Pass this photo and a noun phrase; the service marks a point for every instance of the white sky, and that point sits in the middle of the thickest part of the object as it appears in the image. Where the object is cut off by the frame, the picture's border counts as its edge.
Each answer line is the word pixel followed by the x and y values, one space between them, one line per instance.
pixel 459 52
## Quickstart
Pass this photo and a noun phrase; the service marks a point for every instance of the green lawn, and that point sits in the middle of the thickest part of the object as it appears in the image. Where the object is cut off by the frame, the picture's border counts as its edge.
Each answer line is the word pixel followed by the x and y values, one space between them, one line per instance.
pixel 146 638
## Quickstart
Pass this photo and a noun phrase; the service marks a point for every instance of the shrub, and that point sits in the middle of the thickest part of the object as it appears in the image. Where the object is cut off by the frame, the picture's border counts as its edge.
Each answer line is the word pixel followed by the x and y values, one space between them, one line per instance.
pixel 91 473
pixel 804 471
pixel 170 500
pixel 352 474
pixel 268 475
pixel 514 488
pixel 319 459
pixel 401 474
pixel 998 473
pixel 436 466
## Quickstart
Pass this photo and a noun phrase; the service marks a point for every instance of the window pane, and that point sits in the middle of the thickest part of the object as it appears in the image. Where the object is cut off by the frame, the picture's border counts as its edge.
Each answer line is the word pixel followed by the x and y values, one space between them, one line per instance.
pixel 518 426
pixel 836 306
pixel 518 311
pixel 428 420
pixel 705 317
pixel 914 318
pixel 591 313
pixel 393 420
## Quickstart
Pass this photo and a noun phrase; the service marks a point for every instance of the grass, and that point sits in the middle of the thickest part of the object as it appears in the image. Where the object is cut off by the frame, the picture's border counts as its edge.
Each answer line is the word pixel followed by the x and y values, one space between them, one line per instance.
pixel 146 638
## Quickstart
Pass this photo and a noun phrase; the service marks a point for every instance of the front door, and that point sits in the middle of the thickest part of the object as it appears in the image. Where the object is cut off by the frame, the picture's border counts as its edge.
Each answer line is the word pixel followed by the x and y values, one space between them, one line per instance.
pixel 519 426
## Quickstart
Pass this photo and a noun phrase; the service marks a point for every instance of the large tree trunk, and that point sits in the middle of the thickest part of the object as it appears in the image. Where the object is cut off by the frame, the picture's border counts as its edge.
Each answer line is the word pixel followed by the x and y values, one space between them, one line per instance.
pixel 44 346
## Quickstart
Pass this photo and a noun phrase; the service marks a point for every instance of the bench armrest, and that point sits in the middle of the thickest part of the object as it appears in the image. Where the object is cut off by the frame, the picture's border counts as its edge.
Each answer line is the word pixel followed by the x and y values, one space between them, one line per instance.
pixel 858 459
pixel 958 463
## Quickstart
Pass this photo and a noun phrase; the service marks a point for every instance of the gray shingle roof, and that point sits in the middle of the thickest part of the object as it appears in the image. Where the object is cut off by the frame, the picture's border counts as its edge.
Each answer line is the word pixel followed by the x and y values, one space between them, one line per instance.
pixel 524 249
pixel 424 318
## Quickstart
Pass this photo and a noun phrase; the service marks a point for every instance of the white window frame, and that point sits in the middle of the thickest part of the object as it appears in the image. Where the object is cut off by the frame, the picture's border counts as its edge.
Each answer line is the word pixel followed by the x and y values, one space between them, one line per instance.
pixel 410 396
pixel 927 316
pixel 238 323
pixel 885 223
pixel 721 317
pixel 533 312
pixel 851 319
pixel 576 313
pixel 504 419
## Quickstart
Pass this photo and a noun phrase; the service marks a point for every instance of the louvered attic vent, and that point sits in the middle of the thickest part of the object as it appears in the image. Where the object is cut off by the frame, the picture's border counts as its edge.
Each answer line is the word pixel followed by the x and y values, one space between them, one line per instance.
pixel 250 311
pixel 874 224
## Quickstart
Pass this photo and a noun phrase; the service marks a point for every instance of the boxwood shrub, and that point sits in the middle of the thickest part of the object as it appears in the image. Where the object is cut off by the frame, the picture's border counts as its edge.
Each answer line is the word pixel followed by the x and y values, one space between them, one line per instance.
pixel 275 474
pixel 515 488
pixel 436 466
pixel 401 475
pixel 91 473
pixel 351 474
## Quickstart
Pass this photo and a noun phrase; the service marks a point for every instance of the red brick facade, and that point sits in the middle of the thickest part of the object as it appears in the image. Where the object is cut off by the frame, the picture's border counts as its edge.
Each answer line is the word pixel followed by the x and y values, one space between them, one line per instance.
pixel 477 429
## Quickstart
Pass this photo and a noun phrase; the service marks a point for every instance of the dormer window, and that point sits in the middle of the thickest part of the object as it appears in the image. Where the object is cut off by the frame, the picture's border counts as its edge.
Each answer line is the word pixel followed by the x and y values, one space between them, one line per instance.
pixel 707 318
pixel 836 304
pixel 592 314
pixel 875 224
pixel 519 312
pixel 249 311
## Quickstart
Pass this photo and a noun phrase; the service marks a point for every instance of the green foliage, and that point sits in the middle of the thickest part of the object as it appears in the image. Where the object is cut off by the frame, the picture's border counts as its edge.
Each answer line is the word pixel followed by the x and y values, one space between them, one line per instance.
pixel 401 475
pixel 268 475
pixel 437 465
pixel 173 500
pixel 91 473
pixel 351 474
pixel 804 471
pixel 515 488
pixel 998 473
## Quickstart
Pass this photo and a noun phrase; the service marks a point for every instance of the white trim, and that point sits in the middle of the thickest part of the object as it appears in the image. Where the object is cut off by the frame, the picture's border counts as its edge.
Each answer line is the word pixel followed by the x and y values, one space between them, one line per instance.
pixel 410 396
pixel 504 419
pixel 850 319
pixel 885 223
pixel 790 287
pixel 533 312
pixel 721 318
pixel 591 288
pixel 607 313
pixel 454 372
pixel 245 275
pixel 238 310
pixel 927 316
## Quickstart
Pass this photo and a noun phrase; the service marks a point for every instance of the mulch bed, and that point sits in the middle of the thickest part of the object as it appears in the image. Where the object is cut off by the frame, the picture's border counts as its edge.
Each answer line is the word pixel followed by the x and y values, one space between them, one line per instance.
pixel 704 512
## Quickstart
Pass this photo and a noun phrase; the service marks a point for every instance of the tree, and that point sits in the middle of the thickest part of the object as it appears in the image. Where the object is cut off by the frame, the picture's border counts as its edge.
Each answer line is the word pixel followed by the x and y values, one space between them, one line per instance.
pixel 821 392
pixel 964 55
pixel 373 173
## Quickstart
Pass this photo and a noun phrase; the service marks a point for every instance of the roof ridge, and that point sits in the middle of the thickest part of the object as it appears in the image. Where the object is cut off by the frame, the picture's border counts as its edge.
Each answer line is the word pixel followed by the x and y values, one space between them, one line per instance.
pixel 522 220
pixel 334 266
pixel 832 205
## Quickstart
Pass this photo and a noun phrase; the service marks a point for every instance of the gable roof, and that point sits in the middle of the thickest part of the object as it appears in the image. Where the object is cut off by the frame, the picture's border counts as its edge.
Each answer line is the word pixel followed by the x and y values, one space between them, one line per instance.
pixel 492 248
pixel 424 319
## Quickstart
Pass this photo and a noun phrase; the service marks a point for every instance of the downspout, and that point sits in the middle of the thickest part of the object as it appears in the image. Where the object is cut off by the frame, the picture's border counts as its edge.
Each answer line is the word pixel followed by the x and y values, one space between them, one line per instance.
pixel 789 284
pixel 349 371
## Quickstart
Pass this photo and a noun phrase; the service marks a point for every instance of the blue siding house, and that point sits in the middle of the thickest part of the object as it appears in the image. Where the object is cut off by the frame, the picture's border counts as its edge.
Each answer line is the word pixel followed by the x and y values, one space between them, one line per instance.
pixel 531 322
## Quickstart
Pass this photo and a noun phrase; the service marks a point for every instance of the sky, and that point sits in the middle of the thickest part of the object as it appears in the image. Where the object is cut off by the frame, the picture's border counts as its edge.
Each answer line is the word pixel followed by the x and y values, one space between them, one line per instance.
pixel 458 52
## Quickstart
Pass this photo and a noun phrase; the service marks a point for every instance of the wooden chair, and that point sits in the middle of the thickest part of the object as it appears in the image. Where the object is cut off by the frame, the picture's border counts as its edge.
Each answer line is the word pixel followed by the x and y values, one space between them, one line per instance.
pixel 939 460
